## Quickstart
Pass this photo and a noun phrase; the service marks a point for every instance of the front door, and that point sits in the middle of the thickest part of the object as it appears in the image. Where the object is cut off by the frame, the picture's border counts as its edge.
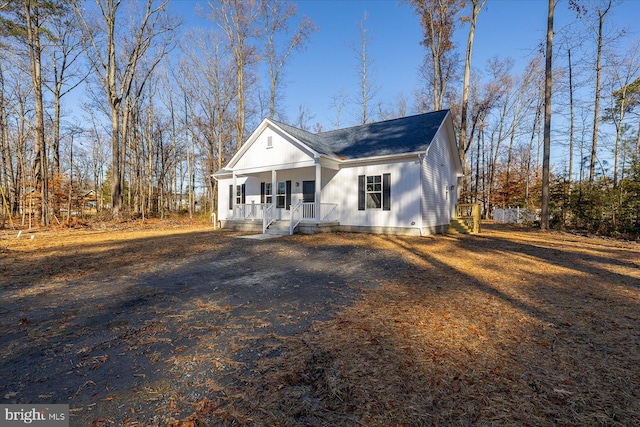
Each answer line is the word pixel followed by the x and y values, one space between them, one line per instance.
pixel 308 196
pixel 308 191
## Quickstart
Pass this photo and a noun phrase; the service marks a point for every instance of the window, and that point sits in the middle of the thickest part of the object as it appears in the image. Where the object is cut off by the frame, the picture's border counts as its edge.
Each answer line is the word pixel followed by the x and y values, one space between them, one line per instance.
pixel 266 195
pixel 374 192
pixel 283 194
pixel 239 194
pixel 236 197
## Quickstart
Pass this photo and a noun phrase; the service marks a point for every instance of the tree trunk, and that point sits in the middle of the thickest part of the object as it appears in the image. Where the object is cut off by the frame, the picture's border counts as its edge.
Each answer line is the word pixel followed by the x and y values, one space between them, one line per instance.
pixel 596 111
pixel 40 169
pixel 571 122
pixel 548 83
pixel 463 143
pixel 116 188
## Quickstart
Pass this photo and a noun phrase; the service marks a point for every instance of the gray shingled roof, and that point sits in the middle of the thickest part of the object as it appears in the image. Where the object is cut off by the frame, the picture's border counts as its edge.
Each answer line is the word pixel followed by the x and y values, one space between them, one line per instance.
pixel 406 135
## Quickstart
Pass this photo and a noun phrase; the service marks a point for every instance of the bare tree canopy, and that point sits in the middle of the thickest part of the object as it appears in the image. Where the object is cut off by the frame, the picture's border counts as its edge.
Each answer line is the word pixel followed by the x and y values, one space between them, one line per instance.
pixel 115 108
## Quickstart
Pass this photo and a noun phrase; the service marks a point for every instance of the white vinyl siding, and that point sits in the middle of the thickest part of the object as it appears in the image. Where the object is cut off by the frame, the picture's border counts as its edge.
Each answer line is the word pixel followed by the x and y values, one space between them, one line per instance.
pixel 438 175
pixel 405 201
pixel 281 153
pixel 223 198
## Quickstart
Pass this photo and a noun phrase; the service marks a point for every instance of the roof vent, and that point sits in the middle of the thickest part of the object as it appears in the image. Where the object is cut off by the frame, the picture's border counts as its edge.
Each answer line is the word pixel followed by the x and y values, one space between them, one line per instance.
pixel 269 142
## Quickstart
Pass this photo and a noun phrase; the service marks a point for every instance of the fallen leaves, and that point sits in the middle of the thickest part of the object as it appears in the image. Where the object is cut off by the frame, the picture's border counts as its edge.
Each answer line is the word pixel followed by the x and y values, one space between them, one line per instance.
pixel 441 330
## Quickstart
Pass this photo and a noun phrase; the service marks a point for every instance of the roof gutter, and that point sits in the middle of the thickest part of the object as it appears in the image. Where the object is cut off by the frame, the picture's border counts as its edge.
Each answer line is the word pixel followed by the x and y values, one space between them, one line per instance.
pixel 382 158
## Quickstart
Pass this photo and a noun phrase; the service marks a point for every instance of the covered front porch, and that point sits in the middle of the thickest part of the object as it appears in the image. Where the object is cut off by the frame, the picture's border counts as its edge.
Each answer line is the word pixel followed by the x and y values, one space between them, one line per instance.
pixel 285 199
pixel 302 217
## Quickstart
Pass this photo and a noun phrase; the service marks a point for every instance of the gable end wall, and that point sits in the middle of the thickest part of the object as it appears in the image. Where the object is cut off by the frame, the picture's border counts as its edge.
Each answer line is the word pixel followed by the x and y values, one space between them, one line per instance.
pixel 281 153
pixel 437 176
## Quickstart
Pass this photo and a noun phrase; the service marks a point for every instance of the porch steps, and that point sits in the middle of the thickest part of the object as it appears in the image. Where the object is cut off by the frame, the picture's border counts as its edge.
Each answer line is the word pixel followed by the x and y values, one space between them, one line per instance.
pixel 280 228
pixel 458 226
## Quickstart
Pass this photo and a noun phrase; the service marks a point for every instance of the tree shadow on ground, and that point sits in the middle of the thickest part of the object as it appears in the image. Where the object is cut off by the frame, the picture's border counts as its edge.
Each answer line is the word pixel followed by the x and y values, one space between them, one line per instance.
pixel 330 330
pixel 465 331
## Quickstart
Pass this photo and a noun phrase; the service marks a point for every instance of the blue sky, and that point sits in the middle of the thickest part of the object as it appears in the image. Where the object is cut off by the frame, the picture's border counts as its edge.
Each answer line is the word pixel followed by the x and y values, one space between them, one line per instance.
pixel 507 28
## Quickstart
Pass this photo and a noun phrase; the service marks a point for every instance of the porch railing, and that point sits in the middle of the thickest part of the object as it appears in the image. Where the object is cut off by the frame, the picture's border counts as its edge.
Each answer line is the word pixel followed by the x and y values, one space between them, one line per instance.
pixel 250 211
pixel 297 213
pixel 308 210
pixel 267 218
pixel 469 213
pixel 328 212
pixel 300 212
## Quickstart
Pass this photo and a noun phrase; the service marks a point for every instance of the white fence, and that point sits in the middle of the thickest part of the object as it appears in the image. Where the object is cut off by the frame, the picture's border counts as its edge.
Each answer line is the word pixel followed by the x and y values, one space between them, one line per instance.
pixel 515 216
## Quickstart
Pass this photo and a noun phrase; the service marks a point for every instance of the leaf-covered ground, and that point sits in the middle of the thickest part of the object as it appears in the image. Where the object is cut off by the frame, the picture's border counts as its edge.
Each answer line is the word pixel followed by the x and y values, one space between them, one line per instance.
pixel 174 324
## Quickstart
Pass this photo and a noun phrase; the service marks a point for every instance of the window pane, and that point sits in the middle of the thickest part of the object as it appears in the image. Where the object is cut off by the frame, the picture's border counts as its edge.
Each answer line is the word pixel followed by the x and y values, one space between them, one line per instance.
pixel 282 188
pixel 374 200
pixel 374 183
pixel 267 188
pixel 279 201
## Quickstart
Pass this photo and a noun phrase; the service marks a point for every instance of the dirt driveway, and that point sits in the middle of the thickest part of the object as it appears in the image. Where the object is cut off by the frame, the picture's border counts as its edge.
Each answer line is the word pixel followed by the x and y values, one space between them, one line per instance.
pixel 188 326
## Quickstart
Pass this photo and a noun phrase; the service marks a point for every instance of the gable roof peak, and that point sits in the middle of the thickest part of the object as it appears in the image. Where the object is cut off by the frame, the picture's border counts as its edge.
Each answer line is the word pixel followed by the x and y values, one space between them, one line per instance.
pixel 387 121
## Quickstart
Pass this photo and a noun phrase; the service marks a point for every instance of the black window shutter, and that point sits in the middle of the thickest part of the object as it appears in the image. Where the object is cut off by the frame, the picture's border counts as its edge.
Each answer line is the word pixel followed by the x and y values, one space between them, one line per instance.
pixel 243 198
pixel 287 203
pixel 386 192
pixel 230 197
pixel 362 196
pixel 262 192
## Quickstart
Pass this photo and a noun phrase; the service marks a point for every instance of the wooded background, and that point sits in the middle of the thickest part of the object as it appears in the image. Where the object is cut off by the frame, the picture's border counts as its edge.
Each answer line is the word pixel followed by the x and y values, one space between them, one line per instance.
pixel 169 106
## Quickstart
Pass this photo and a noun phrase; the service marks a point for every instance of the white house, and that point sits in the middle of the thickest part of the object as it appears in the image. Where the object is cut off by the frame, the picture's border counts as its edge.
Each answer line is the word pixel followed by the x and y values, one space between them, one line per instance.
pixel 396 177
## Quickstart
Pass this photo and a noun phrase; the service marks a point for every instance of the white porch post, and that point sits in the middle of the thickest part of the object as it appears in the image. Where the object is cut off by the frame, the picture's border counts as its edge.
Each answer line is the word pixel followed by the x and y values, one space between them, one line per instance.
pixel 274 183
pixel 318 191
pixel 233 194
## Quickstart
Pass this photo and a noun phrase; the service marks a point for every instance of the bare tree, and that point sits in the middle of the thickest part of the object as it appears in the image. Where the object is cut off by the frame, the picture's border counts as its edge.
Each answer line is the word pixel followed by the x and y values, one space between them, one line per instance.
pixel 368 89
pixel 438 18
pixel 623 70
pixel 238 21
pixel 338 102
pixel 32 13
pixel 6 172
pixel 276 15
pixel 548 85
pixel 601 12
pixel 116 65
pixel 18 116
pixel 64 57
pixel 304 117
pixel 209 88
pixel 463 143
pixel 25 21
